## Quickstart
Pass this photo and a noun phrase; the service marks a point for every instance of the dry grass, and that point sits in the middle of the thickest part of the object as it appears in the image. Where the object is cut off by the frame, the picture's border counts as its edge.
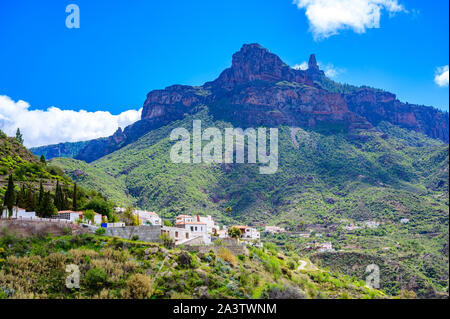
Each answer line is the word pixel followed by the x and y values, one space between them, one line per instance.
pixel 227 255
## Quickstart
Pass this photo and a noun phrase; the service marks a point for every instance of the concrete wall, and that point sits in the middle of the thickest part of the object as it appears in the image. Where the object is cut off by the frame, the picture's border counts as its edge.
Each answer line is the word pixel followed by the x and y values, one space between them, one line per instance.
pixel 40 227
pixel 145 233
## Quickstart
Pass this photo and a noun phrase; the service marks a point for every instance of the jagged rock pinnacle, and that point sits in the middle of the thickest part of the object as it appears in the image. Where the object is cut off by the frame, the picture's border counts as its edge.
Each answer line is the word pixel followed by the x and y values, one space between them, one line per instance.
pixel 312 63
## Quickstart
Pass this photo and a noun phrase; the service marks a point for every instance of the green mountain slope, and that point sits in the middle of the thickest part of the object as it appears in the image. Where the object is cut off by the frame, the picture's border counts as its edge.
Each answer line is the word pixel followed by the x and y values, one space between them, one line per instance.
pixel 326 179
pixel 91 177
pixel 25 167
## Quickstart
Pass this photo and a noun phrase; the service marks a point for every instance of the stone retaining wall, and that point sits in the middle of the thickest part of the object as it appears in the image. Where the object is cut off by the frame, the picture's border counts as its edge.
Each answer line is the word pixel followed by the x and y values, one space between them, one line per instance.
pixel 144 233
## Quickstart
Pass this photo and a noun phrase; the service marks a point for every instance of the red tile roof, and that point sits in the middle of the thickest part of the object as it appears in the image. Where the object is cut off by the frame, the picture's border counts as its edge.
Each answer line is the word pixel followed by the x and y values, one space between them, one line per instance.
pixel 190 223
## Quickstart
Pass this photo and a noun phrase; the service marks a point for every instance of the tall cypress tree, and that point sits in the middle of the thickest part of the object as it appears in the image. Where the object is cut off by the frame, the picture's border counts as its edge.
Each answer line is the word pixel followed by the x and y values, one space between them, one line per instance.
pixel 59 197
pixel 74 198
pixel 21 197
pixel 10 196
pixel 66 202
pixel 30 202
pixel 47 208
pixel 41 193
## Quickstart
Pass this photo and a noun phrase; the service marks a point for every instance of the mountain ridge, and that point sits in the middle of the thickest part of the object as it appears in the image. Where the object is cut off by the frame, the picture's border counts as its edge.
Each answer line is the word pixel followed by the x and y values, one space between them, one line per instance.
pixel 260 89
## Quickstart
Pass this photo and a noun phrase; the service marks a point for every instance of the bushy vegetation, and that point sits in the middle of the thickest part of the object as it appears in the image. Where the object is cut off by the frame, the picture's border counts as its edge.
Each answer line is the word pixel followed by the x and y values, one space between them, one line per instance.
pixel 35 267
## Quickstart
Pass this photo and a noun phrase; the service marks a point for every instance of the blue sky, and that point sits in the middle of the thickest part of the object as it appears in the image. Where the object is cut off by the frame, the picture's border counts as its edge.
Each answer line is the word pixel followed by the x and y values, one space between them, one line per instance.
pixel 124 49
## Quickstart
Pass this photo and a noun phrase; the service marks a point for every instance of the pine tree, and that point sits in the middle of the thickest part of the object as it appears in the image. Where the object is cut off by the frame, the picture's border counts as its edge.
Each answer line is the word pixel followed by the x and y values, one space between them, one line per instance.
pixel 19 136
pixel 47 208
pixel 43 161
pixel 10 196
pixel 74 198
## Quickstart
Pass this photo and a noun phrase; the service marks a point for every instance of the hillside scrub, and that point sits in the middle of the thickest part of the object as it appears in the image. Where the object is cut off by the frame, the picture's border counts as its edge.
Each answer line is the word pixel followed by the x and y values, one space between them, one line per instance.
pixel 34 267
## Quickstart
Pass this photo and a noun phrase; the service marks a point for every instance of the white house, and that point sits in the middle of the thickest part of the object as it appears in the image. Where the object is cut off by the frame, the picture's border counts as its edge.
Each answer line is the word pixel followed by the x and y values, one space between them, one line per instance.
pixel 274 229
pixel 211 226
pixel 74 216
pixel 69 215
pixel 248 232
pixel 148 218
pixel 325 247
pixel 176 233
pixel 98 218
pixel 18 213
pixel 197 223
pixel 371 224
pixel 194 227
pixel 184 236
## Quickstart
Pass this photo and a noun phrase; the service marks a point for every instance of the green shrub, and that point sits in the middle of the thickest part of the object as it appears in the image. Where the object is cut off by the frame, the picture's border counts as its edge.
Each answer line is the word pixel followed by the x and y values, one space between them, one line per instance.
pixel 96 278
pixel 291 264
pixel 273 266
pixel 100 231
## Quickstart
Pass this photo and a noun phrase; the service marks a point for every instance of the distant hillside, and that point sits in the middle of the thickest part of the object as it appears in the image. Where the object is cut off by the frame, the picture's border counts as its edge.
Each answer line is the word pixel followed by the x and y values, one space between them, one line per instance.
pixel 70 149
pixel 26 168
pixel 91 177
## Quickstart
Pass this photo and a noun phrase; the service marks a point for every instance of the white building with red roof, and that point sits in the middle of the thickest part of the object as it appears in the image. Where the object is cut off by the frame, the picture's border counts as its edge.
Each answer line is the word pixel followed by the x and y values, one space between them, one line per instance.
pixel 194 226
pixel 249 233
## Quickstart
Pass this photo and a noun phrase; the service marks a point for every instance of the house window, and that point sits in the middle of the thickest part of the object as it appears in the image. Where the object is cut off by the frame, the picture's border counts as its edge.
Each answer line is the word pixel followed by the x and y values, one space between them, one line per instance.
pixel 192 228
pixel 176 234
pixel 187 235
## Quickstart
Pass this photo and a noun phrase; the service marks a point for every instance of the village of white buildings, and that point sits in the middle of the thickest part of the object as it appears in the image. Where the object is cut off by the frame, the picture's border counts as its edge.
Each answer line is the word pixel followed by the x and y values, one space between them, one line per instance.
pixel 183 230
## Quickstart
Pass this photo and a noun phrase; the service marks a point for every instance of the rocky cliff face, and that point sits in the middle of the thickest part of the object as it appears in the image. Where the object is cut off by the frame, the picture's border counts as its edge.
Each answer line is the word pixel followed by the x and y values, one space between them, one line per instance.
pixel 260 89
pixel 378 106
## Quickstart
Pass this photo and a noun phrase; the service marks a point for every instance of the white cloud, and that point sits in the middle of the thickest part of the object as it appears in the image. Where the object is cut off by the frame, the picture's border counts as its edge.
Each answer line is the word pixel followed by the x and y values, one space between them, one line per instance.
pixel 328 17
pixel 330 70
pixel 51 126
pixel 302 66
pixel 441 77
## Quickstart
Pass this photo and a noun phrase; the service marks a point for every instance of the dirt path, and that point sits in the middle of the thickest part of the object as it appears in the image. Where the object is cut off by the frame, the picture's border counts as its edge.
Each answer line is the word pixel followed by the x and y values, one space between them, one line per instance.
pixel 302 265
pixel 294 131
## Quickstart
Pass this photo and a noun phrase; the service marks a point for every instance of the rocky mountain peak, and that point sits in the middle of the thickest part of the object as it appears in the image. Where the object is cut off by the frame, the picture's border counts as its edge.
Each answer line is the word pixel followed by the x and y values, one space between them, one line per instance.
pixel 253 62
pixel 255 57
pixel 312 63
